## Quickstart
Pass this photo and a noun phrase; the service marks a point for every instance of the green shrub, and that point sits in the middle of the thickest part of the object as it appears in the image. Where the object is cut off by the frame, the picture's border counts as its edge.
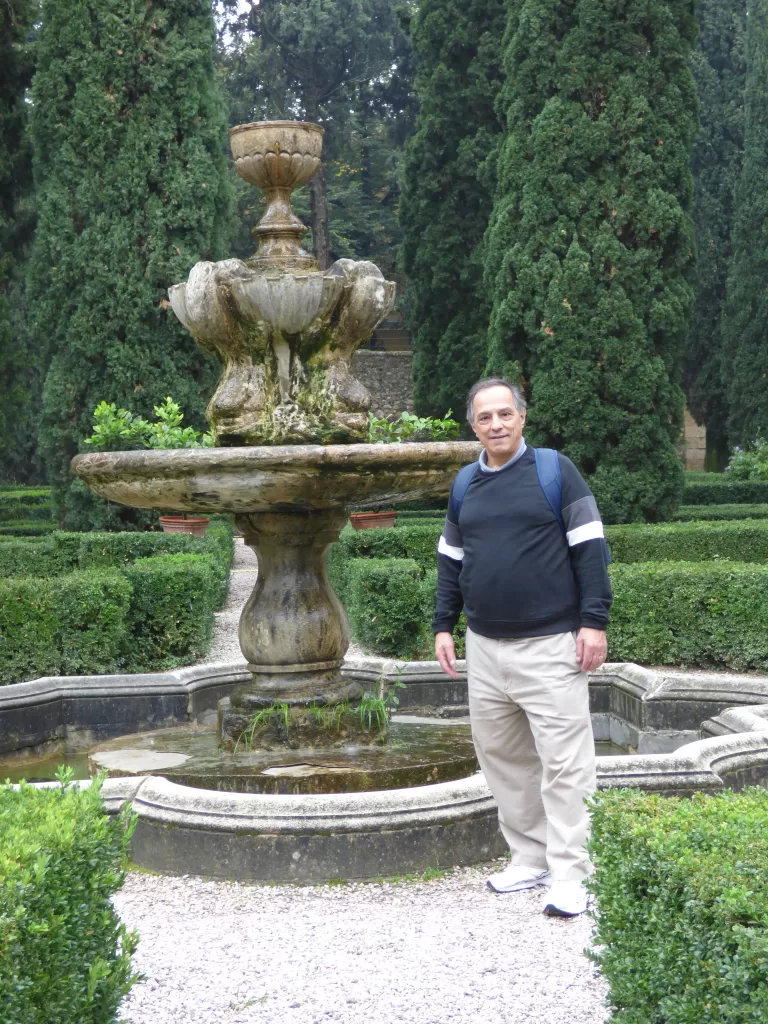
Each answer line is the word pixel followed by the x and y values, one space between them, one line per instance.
pixel 690 613
pixel 701 476
pixel 170 618
pixel 739 541
pixel 19 557
pixel 713 513
pixel 744 492
pixel 386 605
pixel 27 527
pixel 66 957
pixel 407 541
pixel 70 625
pixel 682 889
pixel 407 515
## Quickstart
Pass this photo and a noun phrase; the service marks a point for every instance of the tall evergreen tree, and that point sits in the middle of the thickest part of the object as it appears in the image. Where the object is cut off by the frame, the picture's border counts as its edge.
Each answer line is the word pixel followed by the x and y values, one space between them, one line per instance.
pixel 591 246
pixel 446 200
pixel 718 66
pixel 19 370
pixel 132 185
pixel 746 320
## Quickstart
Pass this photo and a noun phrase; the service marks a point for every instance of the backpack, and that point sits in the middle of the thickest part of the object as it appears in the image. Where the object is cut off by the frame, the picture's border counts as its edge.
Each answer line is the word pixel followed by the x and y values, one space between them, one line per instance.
pixel 551 480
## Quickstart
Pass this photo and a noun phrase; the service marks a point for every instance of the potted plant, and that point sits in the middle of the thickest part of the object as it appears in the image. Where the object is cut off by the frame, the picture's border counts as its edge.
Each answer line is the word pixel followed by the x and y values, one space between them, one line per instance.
pixel 118 429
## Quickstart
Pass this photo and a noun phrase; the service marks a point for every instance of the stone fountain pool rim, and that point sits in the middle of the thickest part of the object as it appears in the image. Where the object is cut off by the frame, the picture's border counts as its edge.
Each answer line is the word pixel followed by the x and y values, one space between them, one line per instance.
pixel 313 838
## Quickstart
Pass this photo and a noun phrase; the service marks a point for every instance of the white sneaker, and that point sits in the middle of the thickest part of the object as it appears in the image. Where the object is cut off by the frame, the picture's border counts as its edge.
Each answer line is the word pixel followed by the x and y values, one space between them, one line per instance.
pixel 517 877
pixel 566 899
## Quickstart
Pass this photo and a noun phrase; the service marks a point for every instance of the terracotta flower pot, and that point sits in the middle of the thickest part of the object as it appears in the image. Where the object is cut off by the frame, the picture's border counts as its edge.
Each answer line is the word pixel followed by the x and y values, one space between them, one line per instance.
pixel 196 525
pixel 371 520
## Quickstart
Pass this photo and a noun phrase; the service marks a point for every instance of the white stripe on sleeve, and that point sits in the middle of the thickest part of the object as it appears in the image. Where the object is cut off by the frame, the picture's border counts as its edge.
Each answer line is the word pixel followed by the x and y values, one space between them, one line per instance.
pixel 457 554
pixel 589 531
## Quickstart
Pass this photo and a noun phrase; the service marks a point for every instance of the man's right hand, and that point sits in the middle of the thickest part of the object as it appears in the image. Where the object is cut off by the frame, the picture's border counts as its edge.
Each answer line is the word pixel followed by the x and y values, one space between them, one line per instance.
pixel 445 653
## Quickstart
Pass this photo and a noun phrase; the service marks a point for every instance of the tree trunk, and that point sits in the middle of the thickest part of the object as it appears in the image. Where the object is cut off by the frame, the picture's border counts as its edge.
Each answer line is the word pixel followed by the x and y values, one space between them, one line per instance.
pixel 318 204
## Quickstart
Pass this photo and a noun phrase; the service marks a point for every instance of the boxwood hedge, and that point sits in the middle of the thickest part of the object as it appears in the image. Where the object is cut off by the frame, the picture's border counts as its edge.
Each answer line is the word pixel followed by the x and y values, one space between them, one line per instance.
pixel 737 492
pixel 739 541
pixel 687 513
pixel 65 957
pixel 682 894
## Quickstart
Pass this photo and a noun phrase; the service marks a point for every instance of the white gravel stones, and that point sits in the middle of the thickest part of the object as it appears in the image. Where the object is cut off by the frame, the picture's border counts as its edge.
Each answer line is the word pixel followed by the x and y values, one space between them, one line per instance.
pixel 447 951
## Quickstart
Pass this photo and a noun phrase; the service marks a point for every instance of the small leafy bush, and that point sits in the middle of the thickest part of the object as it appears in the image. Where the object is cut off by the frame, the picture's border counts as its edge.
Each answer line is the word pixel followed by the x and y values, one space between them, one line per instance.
pixel 715 513
pixel 25 557
pixel 119 430
pixel 170 616
pixel 65 957
pixel 408 427
pixel 68 625
pixel 682 891
pixel 750 462
pixel 386 602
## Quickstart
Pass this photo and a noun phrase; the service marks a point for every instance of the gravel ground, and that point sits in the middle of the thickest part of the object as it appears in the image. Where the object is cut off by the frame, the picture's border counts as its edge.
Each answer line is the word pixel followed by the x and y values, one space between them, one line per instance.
pixel 225 645
pixel 448 951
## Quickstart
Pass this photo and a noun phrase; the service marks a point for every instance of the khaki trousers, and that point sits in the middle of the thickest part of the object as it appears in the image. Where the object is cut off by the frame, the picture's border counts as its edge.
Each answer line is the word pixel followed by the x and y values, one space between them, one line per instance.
pixel 529 708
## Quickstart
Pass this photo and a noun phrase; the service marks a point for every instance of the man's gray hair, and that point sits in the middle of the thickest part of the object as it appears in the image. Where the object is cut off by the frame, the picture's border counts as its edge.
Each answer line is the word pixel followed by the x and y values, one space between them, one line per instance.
pixel 494 382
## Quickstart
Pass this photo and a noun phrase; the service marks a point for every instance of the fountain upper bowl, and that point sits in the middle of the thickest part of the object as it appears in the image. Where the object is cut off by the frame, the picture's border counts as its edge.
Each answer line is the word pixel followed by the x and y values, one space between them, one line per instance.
pixel 287 478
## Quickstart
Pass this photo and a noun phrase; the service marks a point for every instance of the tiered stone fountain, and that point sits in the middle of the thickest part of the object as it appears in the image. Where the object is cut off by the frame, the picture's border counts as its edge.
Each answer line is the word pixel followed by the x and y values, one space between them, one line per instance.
pixel 291 424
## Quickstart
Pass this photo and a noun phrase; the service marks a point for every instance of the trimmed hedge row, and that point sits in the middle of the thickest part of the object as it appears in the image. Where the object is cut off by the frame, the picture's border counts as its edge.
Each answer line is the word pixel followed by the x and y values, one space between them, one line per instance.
pixel 710 513
pixel 151 615
pixel 738 540
pixel 66 956
pixel 737 492
pixel 63 552
pixel 682 889
pixel 705 614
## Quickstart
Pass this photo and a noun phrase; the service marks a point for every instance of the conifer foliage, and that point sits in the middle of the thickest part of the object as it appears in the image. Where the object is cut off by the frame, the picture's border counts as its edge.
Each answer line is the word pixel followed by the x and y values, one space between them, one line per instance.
pixel 447 194
pixel 128 133
pixel 746 321
pixel 718 67
pixel 590 246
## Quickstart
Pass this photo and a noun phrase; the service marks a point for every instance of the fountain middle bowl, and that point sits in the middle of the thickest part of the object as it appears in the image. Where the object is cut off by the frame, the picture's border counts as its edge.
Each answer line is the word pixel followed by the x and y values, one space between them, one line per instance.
pixel 283 478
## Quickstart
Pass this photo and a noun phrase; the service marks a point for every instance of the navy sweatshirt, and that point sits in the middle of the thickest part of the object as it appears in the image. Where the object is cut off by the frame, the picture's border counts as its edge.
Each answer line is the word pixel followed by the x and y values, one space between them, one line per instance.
pixel 507 563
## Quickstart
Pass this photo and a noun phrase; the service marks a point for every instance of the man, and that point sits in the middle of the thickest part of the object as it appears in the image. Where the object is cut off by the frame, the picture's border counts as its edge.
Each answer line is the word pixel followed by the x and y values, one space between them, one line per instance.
pixel 537 597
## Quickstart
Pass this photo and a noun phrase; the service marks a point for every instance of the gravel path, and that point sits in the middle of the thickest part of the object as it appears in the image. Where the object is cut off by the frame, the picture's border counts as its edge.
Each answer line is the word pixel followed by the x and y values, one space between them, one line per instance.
pixel 447 951
pixel 225 645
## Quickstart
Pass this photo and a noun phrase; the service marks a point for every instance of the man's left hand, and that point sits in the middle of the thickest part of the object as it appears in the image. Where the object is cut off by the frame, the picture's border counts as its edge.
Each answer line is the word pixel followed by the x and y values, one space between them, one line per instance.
pixel 591 648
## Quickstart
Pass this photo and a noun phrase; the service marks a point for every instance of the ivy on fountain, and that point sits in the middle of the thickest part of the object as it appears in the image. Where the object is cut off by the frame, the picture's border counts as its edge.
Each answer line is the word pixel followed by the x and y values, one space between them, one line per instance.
pixel 128 132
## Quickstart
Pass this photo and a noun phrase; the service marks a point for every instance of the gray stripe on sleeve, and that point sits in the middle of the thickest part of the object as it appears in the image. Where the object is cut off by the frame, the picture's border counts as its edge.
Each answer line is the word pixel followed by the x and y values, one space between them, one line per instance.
pixel 452 534
pixel 581 512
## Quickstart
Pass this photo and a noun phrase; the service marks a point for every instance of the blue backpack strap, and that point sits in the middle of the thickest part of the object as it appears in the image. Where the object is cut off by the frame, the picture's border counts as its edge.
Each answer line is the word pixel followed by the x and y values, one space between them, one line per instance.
pixel 551 480
pixel 463 479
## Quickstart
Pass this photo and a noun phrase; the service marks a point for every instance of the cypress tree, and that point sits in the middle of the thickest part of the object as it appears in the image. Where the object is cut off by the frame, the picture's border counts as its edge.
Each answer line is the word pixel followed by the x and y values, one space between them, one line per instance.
pixel 19 372
pixel 718 67
pixel 446 198
pixel 128 132
pixel 746 320
pixel 590 248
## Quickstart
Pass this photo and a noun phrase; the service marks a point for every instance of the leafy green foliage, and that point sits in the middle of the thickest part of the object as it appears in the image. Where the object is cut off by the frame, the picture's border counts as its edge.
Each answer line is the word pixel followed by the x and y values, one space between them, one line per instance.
pixel 170 618
pixel 590 246
pixel 750 462
pixel 386 606
pixel 725 492
pixel 118 429
pixel 73 624
pixel 66 955
pixel 681 886
pixel 718 66
pixel 407 427
pixel 706 614
pixel 745 344
pixel 128 133
pixel 712 513
pixel 447 182
pixel 739 541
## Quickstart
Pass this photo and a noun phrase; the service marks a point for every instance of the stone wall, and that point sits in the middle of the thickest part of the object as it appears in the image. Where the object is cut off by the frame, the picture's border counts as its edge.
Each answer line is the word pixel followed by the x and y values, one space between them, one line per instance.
pixel 695 443
pixel 389 378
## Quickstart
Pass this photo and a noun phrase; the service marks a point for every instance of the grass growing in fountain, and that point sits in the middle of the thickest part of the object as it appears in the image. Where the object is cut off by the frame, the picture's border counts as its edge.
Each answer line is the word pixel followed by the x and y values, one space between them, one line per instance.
pixel 372 714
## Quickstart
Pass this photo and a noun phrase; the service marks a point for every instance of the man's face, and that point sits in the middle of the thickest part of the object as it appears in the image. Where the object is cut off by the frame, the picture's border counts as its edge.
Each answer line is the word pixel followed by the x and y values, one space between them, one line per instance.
pixel 497 424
